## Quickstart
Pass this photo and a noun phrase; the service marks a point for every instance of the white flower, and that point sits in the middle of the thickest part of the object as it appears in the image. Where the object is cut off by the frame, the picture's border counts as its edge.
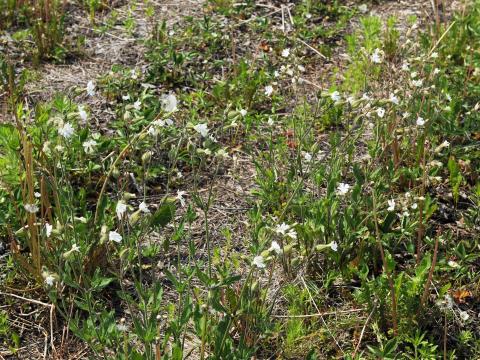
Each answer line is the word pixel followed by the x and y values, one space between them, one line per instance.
pixel 334 245
pixel 464 315
pixel 137 105
pixel 268 90
pixel 436 71
pixel 343 189
pixel 365 97
pixel 202 129
pixel 259 262
pixel 391 205
pixel 31 208
pixel 270 121
pixel 285 53
pixel 307 156
pixel 243 112
pixel 282 229
pixel 121 209
pixel 180 198
pixel 434 55
pixel 405 66
pixel 363 8
pixel 82 113
pixel 448 97
pixel 66 130
pixel 88 146
pixel 133 74
pixel 292 234
pixel 169 122
pixel 37 194
pixel 417 83
pixel 126 97
pixel 377 56
pixel 275 247
pixel 91 88
pixel 48 229
pixel 114 236
pixel 335 96
pixel 169 102
pixel 49 280
pixel 394 99
pixel 143 207
pixel 420 121
pixel 74 248
pixel 414 206
pixel 380 112
pixel 453 264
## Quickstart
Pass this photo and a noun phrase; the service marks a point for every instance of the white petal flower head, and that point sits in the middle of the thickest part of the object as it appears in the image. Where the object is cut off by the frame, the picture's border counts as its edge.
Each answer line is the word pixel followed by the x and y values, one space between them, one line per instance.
pixel 286 53
pixel 133 74
pixel 137 105
pixel 169 102
pixel 270 121
pixel 275 248
pixel 48 229
pixel 114 236
pixel 334 246
pixel 391 205
pixel 91 88
pixel 50 280
pixel 66 130
pixel 335 96
pixel 121 209
pixel 259 262
pixel 292 234
pixel 82 113
pixel 89 146
pixel 406 66
pixel 282 229
pixel 75 248
pixel 143 207
pixel 464 315
pixel 202 129
pixel 37 194
pixel 307 156
pixel 420 121
pixel 268 90
pixel 377 56
pixel 417 83
pixel 243 112
pixel 394 99
pixel 380 112
pixel 343 189
pixel 179 197
pixel 31 208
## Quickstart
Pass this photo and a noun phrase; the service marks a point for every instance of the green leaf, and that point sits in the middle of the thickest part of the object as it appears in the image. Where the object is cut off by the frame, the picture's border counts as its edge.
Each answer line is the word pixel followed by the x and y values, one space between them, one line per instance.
pixel 163 215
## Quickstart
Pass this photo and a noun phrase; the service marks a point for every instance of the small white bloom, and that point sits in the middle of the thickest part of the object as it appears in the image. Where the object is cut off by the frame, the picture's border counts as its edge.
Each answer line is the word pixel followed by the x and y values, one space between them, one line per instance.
pixel 66 130
pixel 453 264
pixel 74 248
pixel 394 99
pixel 180 198
pixel 377 56
pixel 334 246
pixel 448 97
pixel 121 209
pixel 380 112
pixel 169 122
pixel 82 113
pixel 268 90
pixel 143 207
pixel 49 280
pixel 405 66
pixel 363 8
pixel 169 102
pixel 434 55
pixel 275 247
pixel 114 236
pixel 391 205
pixel 37 194
pixel 417 83
pixel 31 208
pixel 91 88
pixel 202 129
pixel 414 206
pixel 436 71
pixel 464 315
pixel 335 96
pixel 259 262
pixel 307 156
pixel 125 97
pixel 270 121
pixel 243 112
pixel 137 105
pixel 133 74
pixel 282 229
pixel 292 234
pixel 89 146
pixel 48 229
pixel 285 53
pixel 420 121
pixel 343 189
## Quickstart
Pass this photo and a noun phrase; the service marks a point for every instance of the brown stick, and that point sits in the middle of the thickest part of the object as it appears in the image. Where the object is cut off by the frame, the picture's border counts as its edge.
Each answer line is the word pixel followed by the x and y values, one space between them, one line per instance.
pixel 430 275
